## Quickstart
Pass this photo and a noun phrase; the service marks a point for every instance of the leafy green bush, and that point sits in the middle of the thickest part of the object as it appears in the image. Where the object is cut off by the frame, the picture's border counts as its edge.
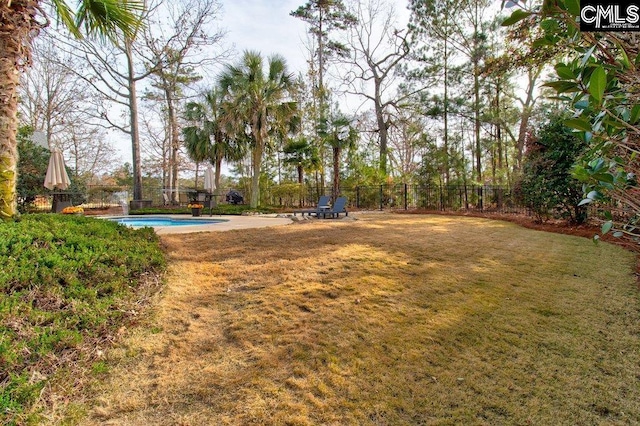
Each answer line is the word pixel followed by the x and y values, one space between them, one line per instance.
pixel 287 194
pixel 546 185
pixel 32 168
pixel 65 282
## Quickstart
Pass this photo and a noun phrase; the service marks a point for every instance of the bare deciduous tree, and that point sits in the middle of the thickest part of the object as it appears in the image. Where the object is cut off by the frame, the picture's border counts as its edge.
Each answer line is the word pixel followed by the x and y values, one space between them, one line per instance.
pixel 55 101
pixel 405 139
pixel 183 35
pixel 377 47
pixel 177 32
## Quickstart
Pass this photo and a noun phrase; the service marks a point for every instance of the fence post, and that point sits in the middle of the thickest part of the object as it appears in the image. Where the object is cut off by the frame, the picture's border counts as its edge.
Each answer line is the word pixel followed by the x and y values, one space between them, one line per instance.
pixel 357 197
pixel 405 196
pixel 466 197
pixel 381 195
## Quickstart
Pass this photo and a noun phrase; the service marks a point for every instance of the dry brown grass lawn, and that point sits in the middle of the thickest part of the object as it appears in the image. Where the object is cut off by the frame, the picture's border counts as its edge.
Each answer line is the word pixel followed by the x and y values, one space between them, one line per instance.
pixel 388 320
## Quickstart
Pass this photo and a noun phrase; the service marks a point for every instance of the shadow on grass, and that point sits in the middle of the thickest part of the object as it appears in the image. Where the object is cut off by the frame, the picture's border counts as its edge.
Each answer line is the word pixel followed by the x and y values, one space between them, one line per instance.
pixel 387 320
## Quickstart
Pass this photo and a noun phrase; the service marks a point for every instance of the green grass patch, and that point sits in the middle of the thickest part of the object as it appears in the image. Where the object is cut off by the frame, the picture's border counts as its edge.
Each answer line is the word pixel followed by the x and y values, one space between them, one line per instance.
pixel 66 283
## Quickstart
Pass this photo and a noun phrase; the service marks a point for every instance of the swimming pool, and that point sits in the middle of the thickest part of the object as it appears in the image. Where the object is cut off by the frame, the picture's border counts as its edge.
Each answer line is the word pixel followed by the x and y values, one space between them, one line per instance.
pixel 158 221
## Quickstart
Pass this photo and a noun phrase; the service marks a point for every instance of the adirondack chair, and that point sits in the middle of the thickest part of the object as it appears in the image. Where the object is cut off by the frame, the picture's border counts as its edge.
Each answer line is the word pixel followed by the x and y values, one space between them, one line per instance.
pixel 340 206
pixel 323 204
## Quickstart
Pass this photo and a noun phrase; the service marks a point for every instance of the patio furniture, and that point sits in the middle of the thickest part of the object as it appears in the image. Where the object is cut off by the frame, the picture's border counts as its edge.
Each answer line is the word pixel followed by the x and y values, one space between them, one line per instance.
pixel 334 212
pixel 234 197
pixel 60 201
pixel 323 204
pixel 208 200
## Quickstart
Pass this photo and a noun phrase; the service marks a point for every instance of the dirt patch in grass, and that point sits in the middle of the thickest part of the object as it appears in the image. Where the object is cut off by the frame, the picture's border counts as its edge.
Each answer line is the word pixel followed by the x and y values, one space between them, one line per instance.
pixel 387 320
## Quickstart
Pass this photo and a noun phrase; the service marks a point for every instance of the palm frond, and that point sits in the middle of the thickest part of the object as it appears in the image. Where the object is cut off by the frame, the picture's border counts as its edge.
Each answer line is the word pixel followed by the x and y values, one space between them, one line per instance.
pixel 65 16
pixel 108 18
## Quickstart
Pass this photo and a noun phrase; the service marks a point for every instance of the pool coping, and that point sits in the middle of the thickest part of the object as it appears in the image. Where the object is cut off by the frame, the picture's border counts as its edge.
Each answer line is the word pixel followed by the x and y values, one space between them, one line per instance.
pixel 230 222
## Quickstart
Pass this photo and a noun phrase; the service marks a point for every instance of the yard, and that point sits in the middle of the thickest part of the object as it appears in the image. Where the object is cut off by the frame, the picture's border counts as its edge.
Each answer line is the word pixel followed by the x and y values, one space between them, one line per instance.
pixel 387 320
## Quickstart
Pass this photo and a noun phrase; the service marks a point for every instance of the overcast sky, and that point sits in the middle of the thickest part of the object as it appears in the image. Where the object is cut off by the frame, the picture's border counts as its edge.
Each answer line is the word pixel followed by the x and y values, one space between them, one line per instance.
pixel 266 26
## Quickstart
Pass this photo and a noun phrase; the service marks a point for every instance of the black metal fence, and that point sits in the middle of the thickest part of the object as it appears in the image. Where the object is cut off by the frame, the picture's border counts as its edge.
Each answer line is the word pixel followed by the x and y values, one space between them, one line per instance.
pixel 491 198
pixel 486 198
pixel 453 197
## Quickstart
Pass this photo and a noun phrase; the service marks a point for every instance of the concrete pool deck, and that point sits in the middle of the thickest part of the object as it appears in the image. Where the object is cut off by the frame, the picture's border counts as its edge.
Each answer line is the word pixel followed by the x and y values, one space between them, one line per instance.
pixel 230 223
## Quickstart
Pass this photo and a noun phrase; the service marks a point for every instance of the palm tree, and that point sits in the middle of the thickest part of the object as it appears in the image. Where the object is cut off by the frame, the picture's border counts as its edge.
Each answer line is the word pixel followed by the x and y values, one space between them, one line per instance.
pixel 304 156
pixel 198 145
pixel 197 138
pixel 340 135
pixel 258 105
pixel 19 21
pixel 299 153
pixel 206 140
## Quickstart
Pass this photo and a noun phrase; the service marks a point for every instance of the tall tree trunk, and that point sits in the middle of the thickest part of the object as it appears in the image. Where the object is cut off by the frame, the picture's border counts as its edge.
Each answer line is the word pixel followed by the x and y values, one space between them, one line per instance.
pixel 476 92
pixel 336 173
pixel 300 183
pixel 279 164
pixel 494 162
pixel 527 108
pixel 446 104
pixel 382 128
pixel 10 78
pixel 255 178
pixel 321 61
pixel 14 51
pixel 75 148
pixel 133 118
pixel 165 163
pixel 321 103
pixel 522 136
pixel 218 171
pixel 323 184
pixel 476 118
pixel 174 172
pixel 499 128
pixel 175 139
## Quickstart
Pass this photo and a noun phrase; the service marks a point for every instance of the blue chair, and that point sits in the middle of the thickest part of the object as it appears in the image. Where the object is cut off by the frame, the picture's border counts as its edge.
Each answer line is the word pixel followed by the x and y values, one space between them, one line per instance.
pixel 340 206
pixel 323 204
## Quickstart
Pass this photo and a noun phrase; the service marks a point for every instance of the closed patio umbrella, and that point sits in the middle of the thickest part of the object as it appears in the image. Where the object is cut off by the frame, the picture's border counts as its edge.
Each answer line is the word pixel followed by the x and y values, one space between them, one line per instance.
pixel 210 186
pixel 57 176
pixel 209 180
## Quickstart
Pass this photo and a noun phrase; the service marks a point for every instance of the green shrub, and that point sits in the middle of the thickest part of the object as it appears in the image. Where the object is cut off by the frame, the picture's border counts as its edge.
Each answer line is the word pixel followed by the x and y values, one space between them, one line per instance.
pixel 287 194
pixel 32 168
pixel 65 281
pixel 546 185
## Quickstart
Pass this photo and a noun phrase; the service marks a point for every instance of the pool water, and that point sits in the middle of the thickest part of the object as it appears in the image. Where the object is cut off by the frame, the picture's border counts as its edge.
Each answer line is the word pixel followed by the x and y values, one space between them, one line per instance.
pixel 154 221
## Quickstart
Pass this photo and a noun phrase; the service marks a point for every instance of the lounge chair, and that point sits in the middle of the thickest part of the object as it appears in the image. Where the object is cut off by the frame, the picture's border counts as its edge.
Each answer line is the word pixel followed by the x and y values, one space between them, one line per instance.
pixel 323 204
pixel 340 206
